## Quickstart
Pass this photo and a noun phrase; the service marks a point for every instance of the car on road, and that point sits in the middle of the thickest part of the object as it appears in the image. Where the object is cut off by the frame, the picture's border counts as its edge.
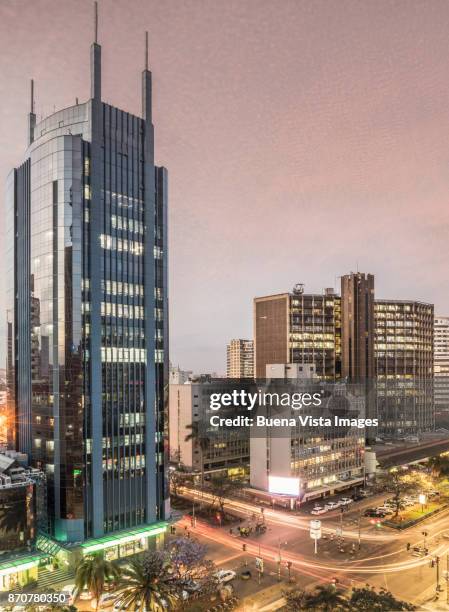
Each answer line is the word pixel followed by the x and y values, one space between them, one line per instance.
pixel 385 510
pixel 223 576
pixel 318 510
pixel 345 501
pixel 332 505
pixel 374 513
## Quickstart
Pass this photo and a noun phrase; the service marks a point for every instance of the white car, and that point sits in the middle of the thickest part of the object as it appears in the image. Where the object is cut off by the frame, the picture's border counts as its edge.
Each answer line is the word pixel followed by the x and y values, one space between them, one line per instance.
pixel 318 510
pixel 69 590
pixel 345 501
pixel 332 505
pixel 224 576
pixel 385 509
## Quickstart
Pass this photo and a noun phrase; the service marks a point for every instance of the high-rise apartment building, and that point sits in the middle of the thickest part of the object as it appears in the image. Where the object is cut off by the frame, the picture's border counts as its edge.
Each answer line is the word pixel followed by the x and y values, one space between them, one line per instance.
pixel 240 359
pixel 441 363
pixel 404 366
pixel 382 343
pixel 87 318
pixel 299 328
pixel 357 326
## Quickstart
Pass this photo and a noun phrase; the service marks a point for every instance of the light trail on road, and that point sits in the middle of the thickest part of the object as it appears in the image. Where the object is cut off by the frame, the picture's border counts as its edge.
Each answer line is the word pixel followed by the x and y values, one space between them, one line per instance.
pixel 307 564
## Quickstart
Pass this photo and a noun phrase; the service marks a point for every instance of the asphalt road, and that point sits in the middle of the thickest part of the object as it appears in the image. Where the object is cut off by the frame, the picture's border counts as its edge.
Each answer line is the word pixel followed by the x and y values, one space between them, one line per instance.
pixel 382 559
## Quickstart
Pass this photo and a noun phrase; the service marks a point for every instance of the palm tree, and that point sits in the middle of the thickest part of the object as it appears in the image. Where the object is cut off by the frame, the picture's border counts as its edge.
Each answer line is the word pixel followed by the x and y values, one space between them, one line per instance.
pixel 146 586
pixel 201 441
pixel 93 572
pixel 327 598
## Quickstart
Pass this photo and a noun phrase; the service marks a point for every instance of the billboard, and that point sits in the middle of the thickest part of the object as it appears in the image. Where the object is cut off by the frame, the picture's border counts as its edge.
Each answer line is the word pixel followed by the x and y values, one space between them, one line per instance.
pixel 283 485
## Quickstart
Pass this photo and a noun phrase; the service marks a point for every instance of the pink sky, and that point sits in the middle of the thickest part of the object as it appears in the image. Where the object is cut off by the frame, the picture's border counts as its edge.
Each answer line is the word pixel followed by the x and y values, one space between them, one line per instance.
pixel 302 139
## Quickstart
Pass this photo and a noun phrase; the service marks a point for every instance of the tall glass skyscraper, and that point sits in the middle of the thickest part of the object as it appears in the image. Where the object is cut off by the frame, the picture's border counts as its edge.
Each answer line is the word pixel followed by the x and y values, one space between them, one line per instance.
pixel 87 316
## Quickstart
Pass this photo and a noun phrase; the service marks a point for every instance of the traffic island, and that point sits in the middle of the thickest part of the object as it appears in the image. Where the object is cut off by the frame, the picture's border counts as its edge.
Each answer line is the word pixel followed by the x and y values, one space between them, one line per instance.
pixel 412 517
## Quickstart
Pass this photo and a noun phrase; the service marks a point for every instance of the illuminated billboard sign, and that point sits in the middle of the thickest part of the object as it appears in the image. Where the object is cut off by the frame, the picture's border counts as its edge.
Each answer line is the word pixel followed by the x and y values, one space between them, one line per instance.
pixel 283 485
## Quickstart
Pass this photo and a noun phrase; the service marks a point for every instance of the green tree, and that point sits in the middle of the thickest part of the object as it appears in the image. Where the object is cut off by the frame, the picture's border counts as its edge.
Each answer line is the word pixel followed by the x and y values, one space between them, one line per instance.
pixel 296 600
pixel 399 484
pixel 146 585
pixel 200 441
pixel 92 573
pixel 221 488
pixel 328 598
pixel 368 600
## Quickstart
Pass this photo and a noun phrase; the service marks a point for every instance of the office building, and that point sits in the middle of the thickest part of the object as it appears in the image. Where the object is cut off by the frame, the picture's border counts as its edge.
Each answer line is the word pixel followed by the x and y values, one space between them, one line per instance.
pixel 385 344
pixel 357 326
pixel 240 359
pixel 299 328
pixel 87 318
pixel 306 462
pixel 404 367
pixel 441 363
pixel 22 514
pixel 213 451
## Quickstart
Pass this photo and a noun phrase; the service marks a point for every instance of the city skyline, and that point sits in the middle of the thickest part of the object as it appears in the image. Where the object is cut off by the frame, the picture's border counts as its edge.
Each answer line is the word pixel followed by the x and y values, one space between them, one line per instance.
pixel 304 112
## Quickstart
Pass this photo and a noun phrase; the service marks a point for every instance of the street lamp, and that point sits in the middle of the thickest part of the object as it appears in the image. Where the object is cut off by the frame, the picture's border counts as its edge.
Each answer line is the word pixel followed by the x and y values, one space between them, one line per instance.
pixel 422 501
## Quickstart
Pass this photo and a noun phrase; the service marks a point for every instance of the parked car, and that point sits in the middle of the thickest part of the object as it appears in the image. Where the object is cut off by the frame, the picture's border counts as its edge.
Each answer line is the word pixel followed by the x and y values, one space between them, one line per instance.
pixel 245 575
pixel 332 505
pixel 385 510
pixel 365 493
pixel 345 501
pixel 357 497
pixel 318 510
pixel 223 576
pixel 372 512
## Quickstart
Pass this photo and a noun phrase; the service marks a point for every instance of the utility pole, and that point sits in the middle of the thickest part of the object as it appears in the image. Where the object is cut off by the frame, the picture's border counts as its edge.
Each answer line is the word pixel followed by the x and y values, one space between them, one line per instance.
pixel 360 517
pixel 437 560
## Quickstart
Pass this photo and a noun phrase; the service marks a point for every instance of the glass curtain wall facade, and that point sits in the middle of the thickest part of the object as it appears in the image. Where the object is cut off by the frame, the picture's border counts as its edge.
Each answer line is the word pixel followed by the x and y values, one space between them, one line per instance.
pixel 87 308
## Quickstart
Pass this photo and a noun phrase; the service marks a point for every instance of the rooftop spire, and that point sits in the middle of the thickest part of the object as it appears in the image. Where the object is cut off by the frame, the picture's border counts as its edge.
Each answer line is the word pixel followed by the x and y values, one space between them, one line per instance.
pixel 96 22
pixel 146 50
pixel 146 85
pixel 31 116
pixel 95 61
pixel 32 97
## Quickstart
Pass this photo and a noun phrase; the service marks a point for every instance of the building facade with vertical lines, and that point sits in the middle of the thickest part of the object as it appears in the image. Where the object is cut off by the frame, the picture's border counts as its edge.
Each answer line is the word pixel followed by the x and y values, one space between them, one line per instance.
pixel 88 318
pixel 385 344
